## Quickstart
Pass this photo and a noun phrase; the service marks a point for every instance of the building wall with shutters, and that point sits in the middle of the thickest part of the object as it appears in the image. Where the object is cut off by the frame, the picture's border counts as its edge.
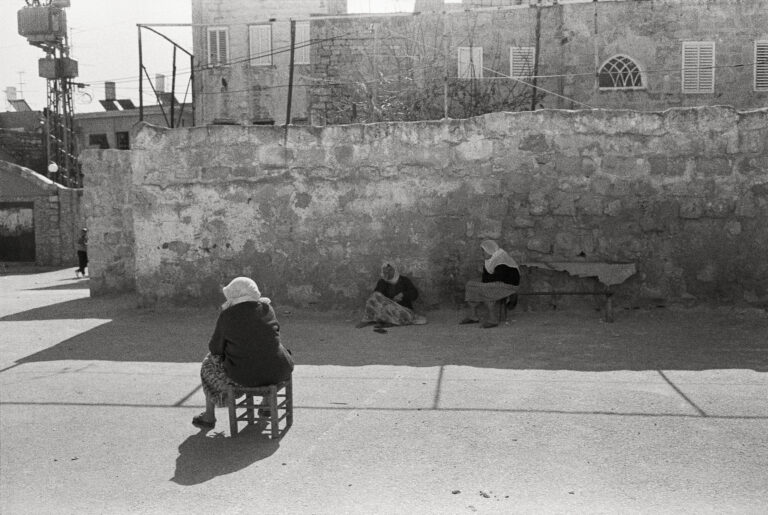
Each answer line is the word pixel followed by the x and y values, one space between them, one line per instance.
pixel 575 40
pixel 252 85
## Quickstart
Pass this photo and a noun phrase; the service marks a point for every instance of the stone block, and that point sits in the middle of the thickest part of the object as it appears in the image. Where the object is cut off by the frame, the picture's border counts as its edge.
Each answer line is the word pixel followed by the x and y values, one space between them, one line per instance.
pixel 691 208
pixel 713 166
pixel 563 204
pixel 209 173
pixel 540 244
pixel 537 203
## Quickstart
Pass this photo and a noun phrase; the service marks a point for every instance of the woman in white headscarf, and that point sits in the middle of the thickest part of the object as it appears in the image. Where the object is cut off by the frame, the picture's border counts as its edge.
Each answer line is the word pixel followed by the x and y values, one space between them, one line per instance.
pixel 391 302
pixel 245 348
pixel 501 276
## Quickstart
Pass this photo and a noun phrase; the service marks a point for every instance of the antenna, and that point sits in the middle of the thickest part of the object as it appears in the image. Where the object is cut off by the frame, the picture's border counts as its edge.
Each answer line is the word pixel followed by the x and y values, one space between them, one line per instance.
pixel 44 24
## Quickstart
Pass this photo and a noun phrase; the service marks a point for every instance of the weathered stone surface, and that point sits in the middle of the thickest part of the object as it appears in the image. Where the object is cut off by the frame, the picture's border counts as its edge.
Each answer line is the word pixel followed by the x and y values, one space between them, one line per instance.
pixel 313 230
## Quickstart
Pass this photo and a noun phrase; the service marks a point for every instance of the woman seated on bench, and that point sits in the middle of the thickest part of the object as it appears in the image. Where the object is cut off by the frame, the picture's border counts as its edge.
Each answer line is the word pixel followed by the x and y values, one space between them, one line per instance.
pixel 500 279
pixel 245 348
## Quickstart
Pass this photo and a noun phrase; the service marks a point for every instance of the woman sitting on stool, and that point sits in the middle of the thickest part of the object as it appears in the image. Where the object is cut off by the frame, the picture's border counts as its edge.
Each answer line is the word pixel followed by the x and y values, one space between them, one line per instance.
pixel 245 348
pixel 501 276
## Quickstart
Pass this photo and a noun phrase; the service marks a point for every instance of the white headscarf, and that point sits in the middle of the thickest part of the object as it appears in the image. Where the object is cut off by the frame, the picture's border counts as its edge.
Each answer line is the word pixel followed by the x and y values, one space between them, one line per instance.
pixel 242 289
pixel 395 277
pixel 498 257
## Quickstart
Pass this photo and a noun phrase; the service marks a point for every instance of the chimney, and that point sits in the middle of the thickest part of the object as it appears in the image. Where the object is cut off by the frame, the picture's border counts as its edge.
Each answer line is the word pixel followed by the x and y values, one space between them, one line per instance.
pixel 109 91
pixel 160 83
pixel 10 93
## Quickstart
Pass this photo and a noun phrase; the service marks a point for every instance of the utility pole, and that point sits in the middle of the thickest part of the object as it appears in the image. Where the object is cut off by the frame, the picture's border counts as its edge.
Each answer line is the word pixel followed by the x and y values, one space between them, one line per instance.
pixel 44 24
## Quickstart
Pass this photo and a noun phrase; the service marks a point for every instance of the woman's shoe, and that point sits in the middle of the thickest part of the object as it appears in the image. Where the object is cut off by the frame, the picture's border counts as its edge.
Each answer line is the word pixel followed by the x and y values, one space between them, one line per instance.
pixel 488 325
pixel 469 321
pixel 199 421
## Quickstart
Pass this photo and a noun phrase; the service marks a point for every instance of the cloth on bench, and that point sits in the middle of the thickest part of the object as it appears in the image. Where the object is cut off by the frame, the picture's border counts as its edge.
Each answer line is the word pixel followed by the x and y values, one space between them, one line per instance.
pixel 608 274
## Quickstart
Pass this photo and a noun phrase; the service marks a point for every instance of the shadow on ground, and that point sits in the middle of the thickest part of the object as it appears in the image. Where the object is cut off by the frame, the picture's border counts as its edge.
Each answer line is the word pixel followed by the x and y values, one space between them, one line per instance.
pixel 203 456
pixel 653 339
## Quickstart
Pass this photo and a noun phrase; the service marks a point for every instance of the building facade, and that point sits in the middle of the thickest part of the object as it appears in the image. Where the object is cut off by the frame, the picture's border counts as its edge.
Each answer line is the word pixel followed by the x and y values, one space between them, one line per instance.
pixel 463 59
pixel 242 54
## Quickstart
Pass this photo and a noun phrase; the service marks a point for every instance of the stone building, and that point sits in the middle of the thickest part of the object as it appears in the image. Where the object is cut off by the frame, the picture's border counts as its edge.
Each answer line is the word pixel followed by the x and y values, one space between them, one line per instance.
pixel 467 58
pixel 39 219
pixel 485 56
pixel 242 59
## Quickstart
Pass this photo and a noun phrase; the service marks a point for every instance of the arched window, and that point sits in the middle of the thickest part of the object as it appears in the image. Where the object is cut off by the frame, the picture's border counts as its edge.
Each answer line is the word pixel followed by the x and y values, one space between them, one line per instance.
pixel 620 72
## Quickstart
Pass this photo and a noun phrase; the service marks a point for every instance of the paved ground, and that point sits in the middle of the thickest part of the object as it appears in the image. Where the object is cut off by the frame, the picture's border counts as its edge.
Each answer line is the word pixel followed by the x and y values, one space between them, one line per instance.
pixel 663 411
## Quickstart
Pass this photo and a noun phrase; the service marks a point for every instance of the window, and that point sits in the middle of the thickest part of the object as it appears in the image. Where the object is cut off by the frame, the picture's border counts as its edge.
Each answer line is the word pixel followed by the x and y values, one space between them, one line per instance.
pixel 521 60
pixel 471 62
pixel 761 65
pixel 98 141
pixel 301 54
pixel 698 67
pixel 261 45
pixel 620 72
pixel 122 140
pixel 218 46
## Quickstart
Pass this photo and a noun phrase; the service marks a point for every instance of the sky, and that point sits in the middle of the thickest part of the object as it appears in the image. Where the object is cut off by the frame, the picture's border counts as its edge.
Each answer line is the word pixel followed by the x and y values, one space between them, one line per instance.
pixel 103 39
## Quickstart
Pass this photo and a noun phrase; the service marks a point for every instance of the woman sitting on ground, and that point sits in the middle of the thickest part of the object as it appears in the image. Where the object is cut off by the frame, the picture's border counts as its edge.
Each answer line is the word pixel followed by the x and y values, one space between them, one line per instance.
pixel 391 302
pixel 500 279
pixel 245 348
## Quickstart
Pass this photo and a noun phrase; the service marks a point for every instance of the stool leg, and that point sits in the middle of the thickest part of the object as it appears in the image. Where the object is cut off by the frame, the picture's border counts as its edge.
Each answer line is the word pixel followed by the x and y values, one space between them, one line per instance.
pixel 232 412
pixel 273 415
pixel 289 404
pixel 249 407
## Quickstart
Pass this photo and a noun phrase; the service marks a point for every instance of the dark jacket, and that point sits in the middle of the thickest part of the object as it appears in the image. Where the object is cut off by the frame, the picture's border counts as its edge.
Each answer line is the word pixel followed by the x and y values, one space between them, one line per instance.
pixel 248 336
pixel 404 286
pixel 502 273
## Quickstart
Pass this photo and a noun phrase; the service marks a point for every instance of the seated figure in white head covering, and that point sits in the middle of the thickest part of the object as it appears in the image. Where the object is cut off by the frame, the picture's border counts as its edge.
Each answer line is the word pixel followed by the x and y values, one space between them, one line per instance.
pixel 496 289
pixel 391 302
pixel 245 348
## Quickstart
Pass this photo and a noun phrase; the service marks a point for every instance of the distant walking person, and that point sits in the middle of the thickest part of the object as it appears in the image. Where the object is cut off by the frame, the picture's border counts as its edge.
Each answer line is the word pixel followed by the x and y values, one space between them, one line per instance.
pixel 82 252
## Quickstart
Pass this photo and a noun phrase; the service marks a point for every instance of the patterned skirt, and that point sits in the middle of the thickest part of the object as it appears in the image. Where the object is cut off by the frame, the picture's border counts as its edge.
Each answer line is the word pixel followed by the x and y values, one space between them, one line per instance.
pixel 214 379
pixel 477 291
pixel 379 308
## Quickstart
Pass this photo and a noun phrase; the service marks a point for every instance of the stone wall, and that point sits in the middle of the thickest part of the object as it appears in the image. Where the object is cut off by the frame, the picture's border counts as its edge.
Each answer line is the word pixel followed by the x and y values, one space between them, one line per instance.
pixel 109 206
pixel 56 210
pixel 682 193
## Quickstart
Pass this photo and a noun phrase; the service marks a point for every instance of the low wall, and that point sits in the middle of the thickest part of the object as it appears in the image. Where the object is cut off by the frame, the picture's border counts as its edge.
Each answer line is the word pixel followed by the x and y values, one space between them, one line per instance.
pixel 683 193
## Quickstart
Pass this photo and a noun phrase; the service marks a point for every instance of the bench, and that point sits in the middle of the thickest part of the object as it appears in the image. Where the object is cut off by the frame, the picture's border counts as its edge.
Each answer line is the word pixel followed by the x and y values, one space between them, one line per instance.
pixel 608 274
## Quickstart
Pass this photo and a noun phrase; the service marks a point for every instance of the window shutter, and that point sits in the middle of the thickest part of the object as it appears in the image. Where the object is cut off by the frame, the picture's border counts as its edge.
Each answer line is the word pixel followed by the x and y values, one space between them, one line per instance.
pixel 213 48
pixel 698 67
pixel 761 65
pixel 301 54
pixel 261 45
pixel 223 51
pixel 521 61
pixel 470 62
pixel 218 52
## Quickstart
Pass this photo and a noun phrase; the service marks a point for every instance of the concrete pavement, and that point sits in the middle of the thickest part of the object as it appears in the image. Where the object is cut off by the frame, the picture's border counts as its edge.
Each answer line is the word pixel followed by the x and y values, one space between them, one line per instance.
pixel 664 411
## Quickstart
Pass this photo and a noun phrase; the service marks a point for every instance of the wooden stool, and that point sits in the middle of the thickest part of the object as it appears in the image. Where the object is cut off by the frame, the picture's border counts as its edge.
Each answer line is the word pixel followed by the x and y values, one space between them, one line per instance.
pixel 279 399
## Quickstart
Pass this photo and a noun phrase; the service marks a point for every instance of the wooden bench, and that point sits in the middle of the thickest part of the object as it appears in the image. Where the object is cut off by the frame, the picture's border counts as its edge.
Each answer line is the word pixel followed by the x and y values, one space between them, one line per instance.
pixel 608 274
